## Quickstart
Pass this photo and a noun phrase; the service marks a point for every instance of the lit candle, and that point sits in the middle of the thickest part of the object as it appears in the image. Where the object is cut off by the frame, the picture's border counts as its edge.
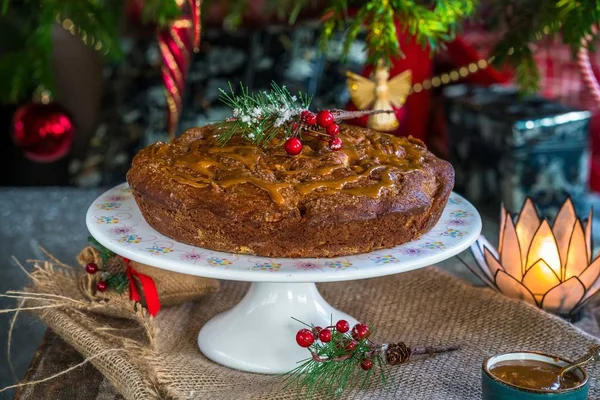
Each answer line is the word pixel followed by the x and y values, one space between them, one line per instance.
pixel 548 266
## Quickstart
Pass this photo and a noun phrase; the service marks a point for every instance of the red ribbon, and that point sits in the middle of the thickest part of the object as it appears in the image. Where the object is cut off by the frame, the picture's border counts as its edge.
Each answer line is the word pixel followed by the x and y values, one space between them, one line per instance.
pixel 148 286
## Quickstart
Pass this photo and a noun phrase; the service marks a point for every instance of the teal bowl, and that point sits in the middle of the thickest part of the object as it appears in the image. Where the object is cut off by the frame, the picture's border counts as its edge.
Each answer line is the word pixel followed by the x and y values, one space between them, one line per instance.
pixel 495 389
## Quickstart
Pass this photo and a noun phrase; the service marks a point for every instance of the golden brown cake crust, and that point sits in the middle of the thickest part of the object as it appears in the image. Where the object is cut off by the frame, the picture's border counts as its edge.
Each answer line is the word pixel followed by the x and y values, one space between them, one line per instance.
pixel 378 191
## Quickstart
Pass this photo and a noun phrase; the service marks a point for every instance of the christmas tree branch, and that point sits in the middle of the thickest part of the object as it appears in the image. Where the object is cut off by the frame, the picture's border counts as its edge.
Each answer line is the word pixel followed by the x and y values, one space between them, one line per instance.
pixel 525 23
pixel 26 36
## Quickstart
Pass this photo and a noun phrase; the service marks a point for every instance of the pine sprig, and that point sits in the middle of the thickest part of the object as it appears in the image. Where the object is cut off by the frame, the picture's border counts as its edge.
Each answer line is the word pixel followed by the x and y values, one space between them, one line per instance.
pixel 333 368
pixel 105 253
pixel 342 359
pixel 118 282
pixel 259 117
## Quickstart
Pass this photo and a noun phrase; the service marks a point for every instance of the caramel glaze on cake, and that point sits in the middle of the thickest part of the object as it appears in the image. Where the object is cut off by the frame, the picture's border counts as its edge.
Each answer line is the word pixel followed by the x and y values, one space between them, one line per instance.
pixel 377 192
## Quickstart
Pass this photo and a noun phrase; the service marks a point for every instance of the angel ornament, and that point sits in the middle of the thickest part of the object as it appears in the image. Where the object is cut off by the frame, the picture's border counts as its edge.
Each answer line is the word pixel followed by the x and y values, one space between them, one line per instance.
pixel 382 94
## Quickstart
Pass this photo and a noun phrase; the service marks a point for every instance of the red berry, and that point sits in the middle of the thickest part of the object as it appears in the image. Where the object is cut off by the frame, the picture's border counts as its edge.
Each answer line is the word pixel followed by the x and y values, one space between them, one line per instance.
pixel 342 326
pixel 295 126
pixel 317 330
pixel 333 130
pixel 325 118
pixel 91 268
pixel 102 286
pixel 335 144
pixel 351 346
pixel 366 364
pixel 304 338
pixel 308 118
pixel 293 146
pixel 325 335
pixel 360 331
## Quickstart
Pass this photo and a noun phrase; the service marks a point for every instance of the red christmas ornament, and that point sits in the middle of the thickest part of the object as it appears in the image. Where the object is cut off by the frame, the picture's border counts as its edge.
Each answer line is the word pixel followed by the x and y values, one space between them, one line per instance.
pixel 44 131
pixel 325 335
pixel 351 346
pixel 366 364
pixel 360 331
pixel 91 268
pixel 342 326
pixel 335 144
pixel 305 338
pixel 293 146
pixel 102 286
pixel 325 118
pixel 333 129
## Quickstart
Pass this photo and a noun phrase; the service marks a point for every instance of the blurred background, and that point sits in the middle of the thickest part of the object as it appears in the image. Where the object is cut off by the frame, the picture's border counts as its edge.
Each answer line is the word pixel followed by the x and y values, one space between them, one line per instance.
pixel 509 99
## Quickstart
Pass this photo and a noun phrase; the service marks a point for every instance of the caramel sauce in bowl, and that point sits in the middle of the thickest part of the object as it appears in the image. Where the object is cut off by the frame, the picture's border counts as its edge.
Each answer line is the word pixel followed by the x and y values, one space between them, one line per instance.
pixel 530 376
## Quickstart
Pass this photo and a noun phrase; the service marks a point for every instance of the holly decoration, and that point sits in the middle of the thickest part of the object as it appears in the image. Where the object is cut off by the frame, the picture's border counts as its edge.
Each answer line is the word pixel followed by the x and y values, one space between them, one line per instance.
pixel 293 146
pixel 263 116
pixel 304 338
pixel 44 132
pixel 325 118
pixel 117 281
pixel 340 357
pixel 102 286
pixel 325 335
pixel 342 326
pixel 91 268
pixel 361 331
pixel 366 364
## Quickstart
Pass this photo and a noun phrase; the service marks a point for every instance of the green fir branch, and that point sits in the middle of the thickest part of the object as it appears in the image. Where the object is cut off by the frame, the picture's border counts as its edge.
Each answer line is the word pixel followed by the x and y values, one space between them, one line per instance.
pixel 259 117
pixel 105 253
pixel 525 23
pixel 118 282
pixel 340 372
pixel 431 26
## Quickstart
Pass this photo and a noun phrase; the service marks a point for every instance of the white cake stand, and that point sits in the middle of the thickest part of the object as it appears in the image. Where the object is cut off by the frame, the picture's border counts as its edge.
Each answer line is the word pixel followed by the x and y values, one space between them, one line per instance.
pixel 258 334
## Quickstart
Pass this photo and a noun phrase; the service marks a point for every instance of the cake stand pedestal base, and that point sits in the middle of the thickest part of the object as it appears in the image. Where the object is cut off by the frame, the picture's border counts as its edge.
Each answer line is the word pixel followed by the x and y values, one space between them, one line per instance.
pixel 259 334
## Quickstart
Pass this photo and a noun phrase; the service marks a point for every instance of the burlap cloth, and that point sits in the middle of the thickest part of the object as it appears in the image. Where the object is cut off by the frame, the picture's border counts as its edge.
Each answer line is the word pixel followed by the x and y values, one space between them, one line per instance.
pixel 425 307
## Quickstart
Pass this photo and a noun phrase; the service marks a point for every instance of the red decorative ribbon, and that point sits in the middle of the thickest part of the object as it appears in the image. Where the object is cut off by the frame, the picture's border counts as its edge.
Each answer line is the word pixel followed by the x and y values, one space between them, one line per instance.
pixel 176 43
pixel 148 286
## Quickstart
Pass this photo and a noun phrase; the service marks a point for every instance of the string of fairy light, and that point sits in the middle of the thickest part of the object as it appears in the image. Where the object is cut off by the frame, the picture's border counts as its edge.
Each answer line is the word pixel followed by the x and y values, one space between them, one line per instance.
pixel 451 76
pixel 443 79
pixel 434 82
pixel 44 95
pixel 68 25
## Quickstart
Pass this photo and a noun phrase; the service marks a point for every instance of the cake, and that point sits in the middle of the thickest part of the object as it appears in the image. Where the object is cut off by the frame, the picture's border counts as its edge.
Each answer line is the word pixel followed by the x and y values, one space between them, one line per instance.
pixel 377 191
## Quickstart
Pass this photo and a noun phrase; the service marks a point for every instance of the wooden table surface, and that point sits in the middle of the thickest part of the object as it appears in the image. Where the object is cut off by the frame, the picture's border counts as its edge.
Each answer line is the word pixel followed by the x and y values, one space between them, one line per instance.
pixel 53 356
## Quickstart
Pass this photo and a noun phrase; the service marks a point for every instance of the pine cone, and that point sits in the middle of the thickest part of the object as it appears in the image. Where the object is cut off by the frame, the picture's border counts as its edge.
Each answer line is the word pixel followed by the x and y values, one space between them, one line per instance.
pixel 397 353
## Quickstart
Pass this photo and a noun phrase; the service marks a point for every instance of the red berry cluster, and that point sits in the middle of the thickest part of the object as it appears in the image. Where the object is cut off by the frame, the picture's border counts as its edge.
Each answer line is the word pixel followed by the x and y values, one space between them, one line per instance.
pixel 92 268
pixel 309 120
pixel 306 337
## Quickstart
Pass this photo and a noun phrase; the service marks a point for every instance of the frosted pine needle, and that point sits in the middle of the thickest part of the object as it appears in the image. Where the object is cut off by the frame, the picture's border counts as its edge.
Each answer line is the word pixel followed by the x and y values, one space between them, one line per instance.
pixel 259 117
